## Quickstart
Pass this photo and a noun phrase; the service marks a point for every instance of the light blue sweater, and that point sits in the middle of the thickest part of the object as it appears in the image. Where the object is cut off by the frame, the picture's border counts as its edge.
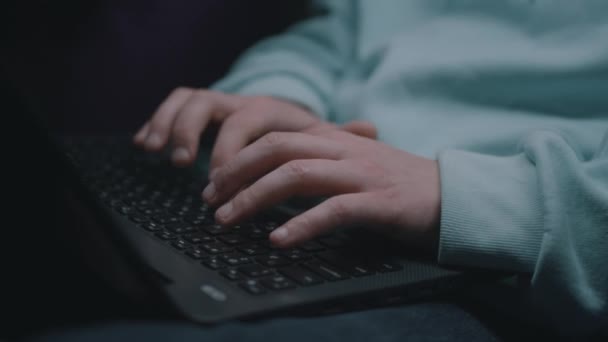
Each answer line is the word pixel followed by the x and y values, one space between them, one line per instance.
pixel 511 97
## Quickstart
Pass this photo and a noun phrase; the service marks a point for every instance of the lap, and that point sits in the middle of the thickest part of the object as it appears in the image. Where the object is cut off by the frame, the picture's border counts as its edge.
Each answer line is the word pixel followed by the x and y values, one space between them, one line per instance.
pixel 422 321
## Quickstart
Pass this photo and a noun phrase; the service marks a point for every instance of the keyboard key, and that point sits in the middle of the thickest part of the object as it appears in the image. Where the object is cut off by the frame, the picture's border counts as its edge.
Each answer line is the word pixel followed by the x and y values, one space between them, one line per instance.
pixel 254 249
pixel 331 242
pixel 277 283
pixel 301 276
pixel 138 218
pixel 216 229
pixel 311 246
pixel 167 203
pixel 238 229
pixel 196 221
pixel 295 255
pixel 216 248
pixel 252 286
pixel 180 244
pixel 233 239
pixel 129 195
pixel 256 234
pixel 166 235
pixel 152 226
pixel 149 212
pixel 273 260
pixel 232 274
pixel 138 203
pixel 326 271
pixel 266 243
pixel 235 259
pixel 198 238
pixel 196 253
pixel 214 263
pixel 350 264
pixel 268 226
pixel 164 219
pixel 124 209
pixel 114 203
pixel 180 228
pixel 197 211
pixel 255 271
pixel 193 201
pixel 140 189
pixel 180 210
pixel 361 270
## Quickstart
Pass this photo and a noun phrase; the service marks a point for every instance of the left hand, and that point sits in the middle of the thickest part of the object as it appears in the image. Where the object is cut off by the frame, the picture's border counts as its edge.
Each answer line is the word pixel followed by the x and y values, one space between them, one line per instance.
pixel 366 182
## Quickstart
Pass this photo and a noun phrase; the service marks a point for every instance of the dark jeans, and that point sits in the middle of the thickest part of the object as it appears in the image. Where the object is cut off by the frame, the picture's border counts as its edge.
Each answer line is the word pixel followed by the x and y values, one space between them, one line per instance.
pixel 417 322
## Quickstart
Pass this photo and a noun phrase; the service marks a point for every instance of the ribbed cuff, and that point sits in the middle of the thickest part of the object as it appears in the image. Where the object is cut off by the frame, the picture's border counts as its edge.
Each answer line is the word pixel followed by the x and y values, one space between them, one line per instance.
pixel 491 212
pixel 280 85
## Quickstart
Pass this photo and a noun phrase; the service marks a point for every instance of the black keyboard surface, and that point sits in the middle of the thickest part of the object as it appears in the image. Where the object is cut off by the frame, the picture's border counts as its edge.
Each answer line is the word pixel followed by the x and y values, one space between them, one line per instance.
pixel 166 202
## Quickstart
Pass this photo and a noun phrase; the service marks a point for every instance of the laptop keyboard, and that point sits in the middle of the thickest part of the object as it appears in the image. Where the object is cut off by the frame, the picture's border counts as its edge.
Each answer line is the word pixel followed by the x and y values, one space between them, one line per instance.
pixel 165 201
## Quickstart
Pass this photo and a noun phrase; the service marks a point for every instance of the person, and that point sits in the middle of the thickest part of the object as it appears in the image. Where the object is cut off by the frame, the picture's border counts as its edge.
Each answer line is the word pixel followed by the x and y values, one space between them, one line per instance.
pixel 474 131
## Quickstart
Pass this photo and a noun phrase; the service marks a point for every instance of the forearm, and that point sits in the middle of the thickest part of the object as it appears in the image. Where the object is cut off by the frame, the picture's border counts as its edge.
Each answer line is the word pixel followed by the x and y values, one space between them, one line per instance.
pixel 301 65
pixel 543 212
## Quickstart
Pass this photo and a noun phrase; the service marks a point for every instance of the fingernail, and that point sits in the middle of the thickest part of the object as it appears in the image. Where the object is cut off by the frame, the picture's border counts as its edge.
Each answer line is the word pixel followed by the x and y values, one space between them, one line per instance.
pixel 280 234
pixel 209 191
pixel 225 210
pixel 180 154
pixel 153 140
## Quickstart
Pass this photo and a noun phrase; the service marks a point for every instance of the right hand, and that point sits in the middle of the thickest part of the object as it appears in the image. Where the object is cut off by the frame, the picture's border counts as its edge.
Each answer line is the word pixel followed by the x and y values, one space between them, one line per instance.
pixel 185 114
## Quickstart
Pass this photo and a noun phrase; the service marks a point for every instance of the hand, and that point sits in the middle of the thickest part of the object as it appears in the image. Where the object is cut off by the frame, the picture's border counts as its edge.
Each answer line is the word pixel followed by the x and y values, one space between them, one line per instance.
pixel 366 182
pixel 186 113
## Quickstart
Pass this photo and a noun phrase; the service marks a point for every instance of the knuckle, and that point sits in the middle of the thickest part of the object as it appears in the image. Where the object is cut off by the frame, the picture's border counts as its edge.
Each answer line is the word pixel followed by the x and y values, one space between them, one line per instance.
pixel 182 90
pixel 303 226
pixel 389 213
pixel 245 198
pixel 235 122
pixel 182 133
pixel 203 98
pixel 371 168
pixel 339 209
pixel 201 92
pixel 296 169
pixel 320 128
pixel 158 125
pixel 274 139
pixel 260 102
pixel 218 159
pixel 227 170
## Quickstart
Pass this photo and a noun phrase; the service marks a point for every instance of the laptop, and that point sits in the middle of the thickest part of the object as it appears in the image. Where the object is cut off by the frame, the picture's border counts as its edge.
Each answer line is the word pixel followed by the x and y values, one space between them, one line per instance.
pixel 145 226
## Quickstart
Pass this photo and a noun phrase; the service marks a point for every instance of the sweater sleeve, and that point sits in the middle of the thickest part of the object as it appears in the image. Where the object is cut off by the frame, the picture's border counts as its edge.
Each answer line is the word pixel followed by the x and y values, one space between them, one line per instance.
pixel 543 212
pixel 301 65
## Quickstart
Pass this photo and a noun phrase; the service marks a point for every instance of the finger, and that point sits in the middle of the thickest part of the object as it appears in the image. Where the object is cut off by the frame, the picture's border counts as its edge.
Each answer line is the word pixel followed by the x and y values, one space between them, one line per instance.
pixel 266 154
pixel 314 177
pixel 193 119
pixel 338 211
pixel 356 143
pixel 162 121
pixel 361 128
pixel 252 122
pixel 141 135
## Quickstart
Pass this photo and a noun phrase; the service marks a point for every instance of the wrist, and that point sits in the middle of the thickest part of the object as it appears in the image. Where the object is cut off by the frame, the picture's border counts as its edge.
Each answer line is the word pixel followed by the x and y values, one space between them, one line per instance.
pixel 431 235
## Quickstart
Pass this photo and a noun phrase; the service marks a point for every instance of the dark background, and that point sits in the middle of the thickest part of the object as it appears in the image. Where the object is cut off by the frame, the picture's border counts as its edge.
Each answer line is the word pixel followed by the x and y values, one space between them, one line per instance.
pixel 104 65
pixel 93 67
